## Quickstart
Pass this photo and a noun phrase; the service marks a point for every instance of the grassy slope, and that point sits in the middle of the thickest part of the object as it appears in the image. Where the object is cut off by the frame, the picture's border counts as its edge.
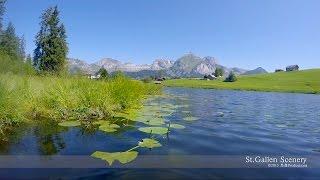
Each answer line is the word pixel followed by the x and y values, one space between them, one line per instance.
pixel 306 81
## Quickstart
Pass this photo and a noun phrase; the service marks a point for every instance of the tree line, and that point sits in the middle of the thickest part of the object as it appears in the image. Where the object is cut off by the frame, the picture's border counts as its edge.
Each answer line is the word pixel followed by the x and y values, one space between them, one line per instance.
pixel 50 54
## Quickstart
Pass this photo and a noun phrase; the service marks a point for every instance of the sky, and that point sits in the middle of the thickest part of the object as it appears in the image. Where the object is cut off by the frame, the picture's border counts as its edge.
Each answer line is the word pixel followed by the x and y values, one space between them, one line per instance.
pixel 239 33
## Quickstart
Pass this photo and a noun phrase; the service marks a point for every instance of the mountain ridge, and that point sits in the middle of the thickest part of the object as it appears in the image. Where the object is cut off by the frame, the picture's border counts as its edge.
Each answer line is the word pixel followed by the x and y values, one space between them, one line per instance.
pixel 188 65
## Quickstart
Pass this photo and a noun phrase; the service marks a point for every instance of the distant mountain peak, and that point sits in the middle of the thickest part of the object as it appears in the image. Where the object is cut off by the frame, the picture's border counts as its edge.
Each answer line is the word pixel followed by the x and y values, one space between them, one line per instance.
pixel 188 65
pixel 258 70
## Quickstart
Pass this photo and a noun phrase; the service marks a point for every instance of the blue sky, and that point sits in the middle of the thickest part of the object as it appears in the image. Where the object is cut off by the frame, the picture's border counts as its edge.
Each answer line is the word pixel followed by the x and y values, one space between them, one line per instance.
pixel 239 33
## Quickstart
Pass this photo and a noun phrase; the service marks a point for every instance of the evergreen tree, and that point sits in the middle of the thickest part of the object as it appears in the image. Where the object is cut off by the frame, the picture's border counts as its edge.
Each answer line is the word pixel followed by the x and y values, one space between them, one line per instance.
pixel 51 45
pixel 103 73
pixel 231 77
pixel 10 43
pixel 2 11
pixel 29 60
pixel 22 48
pixel 218 72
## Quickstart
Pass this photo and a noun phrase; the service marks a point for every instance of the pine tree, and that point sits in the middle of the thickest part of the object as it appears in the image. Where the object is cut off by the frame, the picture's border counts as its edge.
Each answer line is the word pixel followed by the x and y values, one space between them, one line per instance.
pixel 51 46
pixel 29 60
pixel 2 11
pixel 218 72
pixel 22 48
pixel 231 77
pixel 10 43
pixel 103 73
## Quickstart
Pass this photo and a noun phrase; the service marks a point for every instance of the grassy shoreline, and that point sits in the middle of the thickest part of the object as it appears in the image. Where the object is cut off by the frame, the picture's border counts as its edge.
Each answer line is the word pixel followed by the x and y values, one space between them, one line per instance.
pixel 305 81
pixel 25 98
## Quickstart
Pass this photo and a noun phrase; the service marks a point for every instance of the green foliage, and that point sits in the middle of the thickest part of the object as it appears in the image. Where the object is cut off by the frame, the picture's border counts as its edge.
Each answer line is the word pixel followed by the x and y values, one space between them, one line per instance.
pixel 305 81
pixel 9 64
pixel 149 143
pixel 231 77
pixel 70 123
pixel 218 72
pixel 122 157
pixel 2 11
pixel 107 127
pixel 154 130
pixel 51 46
pixel 29 60
pixel 118 75
pixel 10 43
pixel 67 98
pixel 103 73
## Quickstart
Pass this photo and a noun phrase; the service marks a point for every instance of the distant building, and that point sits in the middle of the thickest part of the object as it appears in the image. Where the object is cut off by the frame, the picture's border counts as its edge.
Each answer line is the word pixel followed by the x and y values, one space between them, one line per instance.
pixel 210 77
pixel 92 76
pixel 292 68
pixel 278 70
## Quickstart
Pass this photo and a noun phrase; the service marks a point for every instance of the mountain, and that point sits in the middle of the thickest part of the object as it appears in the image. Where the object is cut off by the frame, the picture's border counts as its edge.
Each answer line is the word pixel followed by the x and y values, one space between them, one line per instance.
pixel 114 65
pixel 189 65
pixel 160 64
pixel 258 70
pixel 77 66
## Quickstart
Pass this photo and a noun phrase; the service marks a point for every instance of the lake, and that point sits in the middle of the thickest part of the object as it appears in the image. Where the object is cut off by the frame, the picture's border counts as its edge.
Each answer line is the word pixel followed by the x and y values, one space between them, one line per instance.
pixel 230 124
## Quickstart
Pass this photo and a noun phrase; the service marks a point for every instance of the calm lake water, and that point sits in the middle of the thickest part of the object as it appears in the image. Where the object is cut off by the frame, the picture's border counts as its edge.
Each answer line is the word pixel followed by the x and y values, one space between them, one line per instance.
pixel 231 123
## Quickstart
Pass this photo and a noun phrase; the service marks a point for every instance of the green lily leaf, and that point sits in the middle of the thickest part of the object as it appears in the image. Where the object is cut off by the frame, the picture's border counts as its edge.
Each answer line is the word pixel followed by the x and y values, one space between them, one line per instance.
pixel 70 123
pixel 109 127
pixel 154 130
pixel 122 157
pixel 190 118
pixel 149 143
pixel 176 126
pixel 100 122
pixel 126 115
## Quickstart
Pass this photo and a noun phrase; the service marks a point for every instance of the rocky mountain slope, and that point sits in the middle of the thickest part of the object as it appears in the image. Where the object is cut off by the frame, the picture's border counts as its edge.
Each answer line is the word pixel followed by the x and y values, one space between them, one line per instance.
pixel 189 65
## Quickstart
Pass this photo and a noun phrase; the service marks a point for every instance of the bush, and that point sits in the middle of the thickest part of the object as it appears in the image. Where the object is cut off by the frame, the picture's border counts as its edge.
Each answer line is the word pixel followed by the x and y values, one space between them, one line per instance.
pixel 14 65
pixel 231 77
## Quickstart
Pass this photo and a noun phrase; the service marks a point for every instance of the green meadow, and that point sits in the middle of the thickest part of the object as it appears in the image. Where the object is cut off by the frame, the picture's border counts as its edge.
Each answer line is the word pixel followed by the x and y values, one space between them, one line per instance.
pixel 304 81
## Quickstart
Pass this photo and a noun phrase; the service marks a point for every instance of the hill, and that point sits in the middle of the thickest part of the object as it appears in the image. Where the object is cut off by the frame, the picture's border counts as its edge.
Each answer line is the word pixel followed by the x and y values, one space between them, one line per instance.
pixel 305 81
pixel 259 70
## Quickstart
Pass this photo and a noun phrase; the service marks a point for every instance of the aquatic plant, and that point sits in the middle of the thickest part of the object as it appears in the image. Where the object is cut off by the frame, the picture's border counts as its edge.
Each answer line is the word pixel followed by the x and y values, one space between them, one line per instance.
pixel 122 157
pixel 70 123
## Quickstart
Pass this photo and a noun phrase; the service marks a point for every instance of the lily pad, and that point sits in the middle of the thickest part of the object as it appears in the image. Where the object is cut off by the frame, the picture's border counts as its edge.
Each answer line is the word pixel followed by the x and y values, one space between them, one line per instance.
pixel 122 157
pixel 176 126
pixel 70 123
pixel 154 130
pixel 149 143
pixel 126 115
pixel 190 118
pixel 100 122
pixel 109 127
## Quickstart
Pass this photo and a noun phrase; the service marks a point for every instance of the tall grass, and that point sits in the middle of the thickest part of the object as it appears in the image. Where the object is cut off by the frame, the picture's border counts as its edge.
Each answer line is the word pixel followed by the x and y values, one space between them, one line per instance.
pixel 27 97
pixel 62 98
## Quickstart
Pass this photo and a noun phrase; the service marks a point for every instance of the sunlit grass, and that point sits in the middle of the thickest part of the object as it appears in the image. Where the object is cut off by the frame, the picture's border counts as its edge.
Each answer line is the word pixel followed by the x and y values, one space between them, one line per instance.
pixel 306 81
pixel 29 98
